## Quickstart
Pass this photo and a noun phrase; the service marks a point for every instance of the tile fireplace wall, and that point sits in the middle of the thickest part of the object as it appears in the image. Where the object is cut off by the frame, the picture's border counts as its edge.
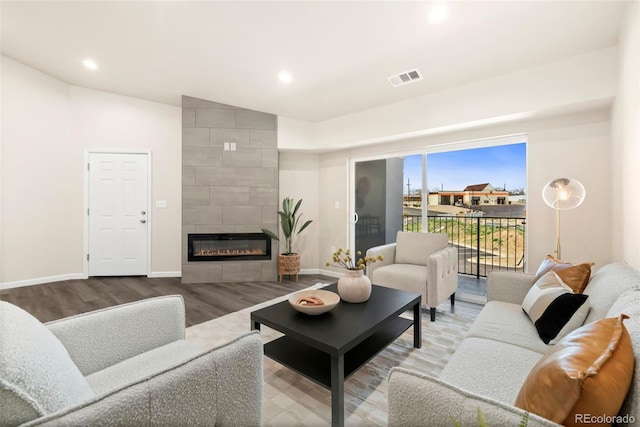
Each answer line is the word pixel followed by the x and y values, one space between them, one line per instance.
pixel 228 191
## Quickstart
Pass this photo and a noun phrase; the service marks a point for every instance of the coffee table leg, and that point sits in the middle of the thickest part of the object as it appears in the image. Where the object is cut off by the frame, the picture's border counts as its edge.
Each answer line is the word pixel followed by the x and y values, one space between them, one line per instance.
pixel 255 326
pixel 337 391
pixel 417 326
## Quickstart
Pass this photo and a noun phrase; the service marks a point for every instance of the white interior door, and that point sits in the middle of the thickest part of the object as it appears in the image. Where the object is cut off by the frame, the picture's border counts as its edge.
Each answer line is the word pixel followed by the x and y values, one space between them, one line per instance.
pixel 118 217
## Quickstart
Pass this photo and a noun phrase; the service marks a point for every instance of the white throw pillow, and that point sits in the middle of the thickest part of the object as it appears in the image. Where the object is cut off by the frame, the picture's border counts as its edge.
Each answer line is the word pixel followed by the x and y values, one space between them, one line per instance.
pixel 37 376
pixel 554 308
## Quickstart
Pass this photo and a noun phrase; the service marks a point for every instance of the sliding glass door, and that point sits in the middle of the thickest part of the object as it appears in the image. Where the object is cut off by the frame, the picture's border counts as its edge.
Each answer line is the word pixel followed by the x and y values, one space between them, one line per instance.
pixel 473 191
pixel 377 202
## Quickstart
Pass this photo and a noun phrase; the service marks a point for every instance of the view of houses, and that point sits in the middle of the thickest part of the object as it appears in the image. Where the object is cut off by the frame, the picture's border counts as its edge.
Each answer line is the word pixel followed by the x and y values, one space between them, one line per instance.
pixel 486 223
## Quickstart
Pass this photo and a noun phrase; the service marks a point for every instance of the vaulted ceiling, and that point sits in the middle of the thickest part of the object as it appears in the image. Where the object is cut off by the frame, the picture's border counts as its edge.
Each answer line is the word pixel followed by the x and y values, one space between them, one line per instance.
pixel 338 53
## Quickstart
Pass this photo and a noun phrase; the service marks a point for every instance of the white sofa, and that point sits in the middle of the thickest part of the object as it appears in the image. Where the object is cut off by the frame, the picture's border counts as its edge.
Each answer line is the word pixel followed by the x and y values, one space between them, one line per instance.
pixel 489 367
pixel 124 365
pixel 423 263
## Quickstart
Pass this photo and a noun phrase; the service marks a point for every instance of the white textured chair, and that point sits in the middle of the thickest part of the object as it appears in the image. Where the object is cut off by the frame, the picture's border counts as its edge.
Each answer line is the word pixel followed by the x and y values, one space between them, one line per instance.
pixel 125 365
pixel 418 262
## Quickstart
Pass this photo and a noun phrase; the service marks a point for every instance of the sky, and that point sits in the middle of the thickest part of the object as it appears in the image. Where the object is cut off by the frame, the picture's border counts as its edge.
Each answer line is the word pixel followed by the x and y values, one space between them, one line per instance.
pixel 454 170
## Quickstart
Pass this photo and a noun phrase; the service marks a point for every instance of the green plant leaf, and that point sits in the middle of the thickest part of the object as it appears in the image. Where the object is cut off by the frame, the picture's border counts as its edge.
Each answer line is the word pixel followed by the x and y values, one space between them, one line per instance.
pixel 297 206
pixel 454 421
pixel 285 223
pixel 306 224
pixel 287 204
pixel 295 224
pixel 270 234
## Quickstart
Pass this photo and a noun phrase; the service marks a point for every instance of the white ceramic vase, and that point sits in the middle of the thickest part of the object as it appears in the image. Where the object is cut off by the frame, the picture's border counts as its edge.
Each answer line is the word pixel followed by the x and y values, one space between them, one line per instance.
pixel 354 286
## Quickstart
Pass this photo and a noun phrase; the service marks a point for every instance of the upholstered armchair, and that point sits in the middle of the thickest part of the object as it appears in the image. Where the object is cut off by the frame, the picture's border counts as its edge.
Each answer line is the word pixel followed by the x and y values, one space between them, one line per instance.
pixel 418 262
pixel 124 365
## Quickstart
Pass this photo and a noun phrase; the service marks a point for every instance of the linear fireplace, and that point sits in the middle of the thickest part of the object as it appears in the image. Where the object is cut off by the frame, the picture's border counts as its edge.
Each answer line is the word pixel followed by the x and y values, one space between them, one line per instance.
pixel 229 247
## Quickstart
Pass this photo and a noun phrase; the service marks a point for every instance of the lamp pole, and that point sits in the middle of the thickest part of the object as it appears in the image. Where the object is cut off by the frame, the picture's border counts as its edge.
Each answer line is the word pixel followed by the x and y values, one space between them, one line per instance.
pixel 558 253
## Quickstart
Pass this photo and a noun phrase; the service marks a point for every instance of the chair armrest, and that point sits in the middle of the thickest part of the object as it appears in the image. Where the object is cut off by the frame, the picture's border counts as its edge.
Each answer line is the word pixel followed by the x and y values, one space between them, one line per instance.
pixel 388 253
pixel 420 400
pixel 508 286
pixel 442 275
pixel 222 386
pixel 101 338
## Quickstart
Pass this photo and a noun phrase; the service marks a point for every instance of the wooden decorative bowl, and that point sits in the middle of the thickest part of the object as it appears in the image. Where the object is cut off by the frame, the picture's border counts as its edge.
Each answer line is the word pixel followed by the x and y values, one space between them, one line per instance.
pixel 330 300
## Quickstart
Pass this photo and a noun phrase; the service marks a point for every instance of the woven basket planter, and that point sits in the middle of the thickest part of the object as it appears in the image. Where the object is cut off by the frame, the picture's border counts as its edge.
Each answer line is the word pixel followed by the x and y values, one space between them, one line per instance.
pixel 288 264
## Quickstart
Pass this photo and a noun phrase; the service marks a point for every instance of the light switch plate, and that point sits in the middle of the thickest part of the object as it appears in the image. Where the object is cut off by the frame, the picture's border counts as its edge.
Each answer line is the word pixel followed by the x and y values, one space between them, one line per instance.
pixel 161 203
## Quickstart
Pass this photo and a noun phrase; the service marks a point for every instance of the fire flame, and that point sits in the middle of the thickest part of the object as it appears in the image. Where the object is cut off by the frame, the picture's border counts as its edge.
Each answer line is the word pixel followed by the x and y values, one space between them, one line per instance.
pixel 229 252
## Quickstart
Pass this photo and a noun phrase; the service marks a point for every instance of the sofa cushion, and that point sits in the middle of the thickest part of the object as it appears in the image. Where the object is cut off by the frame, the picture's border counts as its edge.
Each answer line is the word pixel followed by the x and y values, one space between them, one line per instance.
pixel 142 366
pixel 588 372
pixel 629 303
pixel 497 317
pixel 575 276
pixel 37 376
pixel 497 374
pixel 415 248
pixel 553 308
pixel 606 285
pixel 408 277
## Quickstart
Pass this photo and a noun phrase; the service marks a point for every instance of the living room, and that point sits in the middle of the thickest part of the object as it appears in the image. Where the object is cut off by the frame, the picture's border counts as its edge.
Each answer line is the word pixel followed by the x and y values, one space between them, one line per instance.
pixel 575 101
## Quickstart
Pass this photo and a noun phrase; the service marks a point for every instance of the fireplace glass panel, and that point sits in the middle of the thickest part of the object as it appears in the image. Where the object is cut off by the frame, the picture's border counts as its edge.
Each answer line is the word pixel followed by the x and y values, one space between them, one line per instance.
pixel 229 247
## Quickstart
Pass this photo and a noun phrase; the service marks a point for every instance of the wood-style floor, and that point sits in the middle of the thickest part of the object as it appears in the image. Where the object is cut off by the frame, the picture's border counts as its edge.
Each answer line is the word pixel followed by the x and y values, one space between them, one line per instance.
pixel 203 301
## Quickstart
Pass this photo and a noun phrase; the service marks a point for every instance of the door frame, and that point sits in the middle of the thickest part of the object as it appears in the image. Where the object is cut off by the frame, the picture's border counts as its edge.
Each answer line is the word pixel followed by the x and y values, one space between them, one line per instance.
pixel 351 206
pixel 85 168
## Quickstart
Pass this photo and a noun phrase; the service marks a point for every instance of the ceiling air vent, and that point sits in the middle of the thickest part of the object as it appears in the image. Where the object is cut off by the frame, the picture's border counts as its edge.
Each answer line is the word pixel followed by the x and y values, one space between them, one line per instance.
pixel 404 78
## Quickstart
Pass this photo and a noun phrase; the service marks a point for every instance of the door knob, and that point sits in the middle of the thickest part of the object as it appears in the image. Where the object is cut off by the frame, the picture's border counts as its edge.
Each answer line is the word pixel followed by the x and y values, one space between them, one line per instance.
pixel 143 213
pixel 143 221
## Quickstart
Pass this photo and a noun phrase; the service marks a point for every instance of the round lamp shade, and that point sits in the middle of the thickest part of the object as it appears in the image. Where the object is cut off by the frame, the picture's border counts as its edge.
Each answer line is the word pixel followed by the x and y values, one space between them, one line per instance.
pixel 563 193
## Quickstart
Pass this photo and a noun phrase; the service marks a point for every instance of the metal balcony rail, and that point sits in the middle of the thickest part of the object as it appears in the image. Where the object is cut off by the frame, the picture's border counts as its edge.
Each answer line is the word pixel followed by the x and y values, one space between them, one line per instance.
pixel 484 243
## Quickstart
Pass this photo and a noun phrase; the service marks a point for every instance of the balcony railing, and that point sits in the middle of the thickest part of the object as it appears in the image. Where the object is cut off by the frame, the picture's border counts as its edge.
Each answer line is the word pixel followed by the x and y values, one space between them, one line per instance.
pixel 484 243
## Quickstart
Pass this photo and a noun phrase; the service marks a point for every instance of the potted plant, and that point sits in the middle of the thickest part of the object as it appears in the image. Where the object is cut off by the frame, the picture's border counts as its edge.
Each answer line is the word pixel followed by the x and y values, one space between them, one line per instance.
pixel 289 261
pixel 354 286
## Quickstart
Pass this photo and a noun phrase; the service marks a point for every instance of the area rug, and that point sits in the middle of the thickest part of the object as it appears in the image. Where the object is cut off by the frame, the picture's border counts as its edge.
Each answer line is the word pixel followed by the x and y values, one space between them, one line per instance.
pixel 292 400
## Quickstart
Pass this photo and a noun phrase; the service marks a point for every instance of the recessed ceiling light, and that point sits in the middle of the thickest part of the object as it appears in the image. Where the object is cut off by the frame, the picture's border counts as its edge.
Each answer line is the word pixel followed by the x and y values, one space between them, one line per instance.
pixel 90 64
pixel 285 77
pixel 438 13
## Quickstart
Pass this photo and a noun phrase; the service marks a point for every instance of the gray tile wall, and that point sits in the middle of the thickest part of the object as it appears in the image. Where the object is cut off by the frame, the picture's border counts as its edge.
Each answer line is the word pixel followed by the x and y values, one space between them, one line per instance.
pixel 228 191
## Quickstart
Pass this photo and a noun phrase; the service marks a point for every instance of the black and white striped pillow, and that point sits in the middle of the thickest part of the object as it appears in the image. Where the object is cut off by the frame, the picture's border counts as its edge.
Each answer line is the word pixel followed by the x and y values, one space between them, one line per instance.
pixel 554 308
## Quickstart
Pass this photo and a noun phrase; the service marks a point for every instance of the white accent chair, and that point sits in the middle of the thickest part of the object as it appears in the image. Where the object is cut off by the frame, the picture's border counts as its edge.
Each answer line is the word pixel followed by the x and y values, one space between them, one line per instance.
pixel 124 365
pixel 418 262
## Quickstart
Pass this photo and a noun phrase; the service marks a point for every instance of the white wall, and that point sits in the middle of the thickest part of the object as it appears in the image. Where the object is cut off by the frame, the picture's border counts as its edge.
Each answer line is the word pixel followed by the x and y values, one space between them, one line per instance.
pixel 575 145
pixel 551 88
pixel 37 221
pixel 299 179
pixel 625 226
pixel 46 127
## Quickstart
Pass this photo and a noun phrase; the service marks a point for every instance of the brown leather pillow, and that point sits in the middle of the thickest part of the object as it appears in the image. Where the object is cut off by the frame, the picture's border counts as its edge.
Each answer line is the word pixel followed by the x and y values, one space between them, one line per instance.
pixel 575 276
pixel 587 373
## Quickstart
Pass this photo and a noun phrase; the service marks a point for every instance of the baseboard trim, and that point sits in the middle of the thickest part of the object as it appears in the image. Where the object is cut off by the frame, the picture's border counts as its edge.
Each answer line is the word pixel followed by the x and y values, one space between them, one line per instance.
pixel 330 273
pixel 41 280
pixel 320 271
pixel 159 274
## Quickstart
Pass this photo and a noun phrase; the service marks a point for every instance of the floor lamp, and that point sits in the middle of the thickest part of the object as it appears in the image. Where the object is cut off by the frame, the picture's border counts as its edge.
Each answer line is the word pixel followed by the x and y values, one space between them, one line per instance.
pixel 562 194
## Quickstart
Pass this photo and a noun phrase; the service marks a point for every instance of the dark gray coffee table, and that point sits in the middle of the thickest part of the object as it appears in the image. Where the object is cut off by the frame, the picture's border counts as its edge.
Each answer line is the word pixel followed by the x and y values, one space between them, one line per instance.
pixel 330 347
